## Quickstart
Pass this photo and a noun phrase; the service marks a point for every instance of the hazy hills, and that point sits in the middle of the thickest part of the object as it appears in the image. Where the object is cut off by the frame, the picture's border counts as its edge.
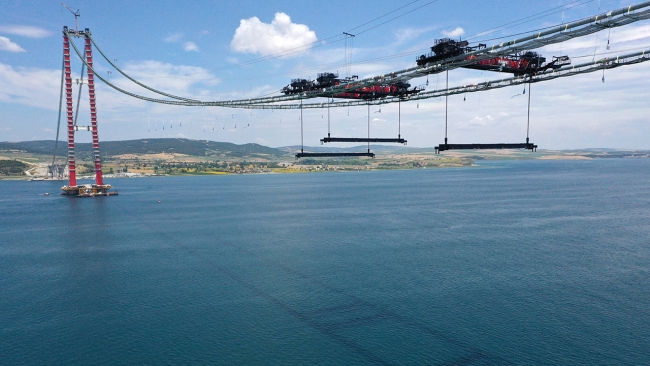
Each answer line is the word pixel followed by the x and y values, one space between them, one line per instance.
pixel 189 147
pixel 145 146
pixel 251 150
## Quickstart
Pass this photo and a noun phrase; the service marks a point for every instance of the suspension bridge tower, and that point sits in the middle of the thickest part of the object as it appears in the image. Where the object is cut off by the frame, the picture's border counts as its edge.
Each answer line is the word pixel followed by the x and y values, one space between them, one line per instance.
pixel 74 189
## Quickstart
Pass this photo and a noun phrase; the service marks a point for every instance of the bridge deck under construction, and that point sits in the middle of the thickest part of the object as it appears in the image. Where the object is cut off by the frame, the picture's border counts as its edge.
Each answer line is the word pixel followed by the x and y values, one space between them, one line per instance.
pixel 334 155
pixel 525 145
pixel 361 139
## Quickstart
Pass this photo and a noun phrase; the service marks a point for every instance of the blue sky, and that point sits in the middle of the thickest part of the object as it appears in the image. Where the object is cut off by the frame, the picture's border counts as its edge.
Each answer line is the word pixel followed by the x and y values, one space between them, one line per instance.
pixel 204 49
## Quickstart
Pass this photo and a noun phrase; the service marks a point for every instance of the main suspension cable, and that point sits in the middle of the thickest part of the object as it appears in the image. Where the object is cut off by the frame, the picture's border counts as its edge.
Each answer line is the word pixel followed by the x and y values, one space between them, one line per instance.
pixel 132 79
pixel 528 19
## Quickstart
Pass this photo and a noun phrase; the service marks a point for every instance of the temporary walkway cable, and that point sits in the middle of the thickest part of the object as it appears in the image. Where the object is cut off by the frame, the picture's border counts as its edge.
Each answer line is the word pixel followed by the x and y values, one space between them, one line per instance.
pixel 58 123
pixel 527 19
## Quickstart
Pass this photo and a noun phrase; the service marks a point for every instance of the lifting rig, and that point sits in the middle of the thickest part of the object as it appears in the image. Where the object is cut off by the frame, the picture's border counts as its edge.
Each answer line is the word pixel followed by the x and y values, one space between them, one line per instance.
pixel 303 154
pixel 352 90
pixel 524 64
pixel 73 189
pixel 521 64
pixel 400 90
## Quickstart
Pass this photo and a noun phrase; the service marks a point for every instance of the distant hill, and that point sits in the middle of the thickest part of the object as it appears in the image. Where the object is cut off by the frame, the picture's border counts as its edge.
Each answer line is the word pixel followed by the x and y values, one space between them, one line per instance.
pixel 12 167
pixel 146 146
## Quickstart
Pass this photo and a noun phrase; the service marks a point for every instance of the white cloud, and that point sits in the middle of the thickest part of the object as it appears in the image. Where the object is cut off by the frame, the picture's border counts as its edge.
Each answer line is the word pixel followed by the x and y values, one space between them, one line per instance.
pixel 25 31
pixel 407 34
pixel 30 86
pixel 191 46
pixel 40 87
pixel 453 33
pixel 177 38
pixel 482 121
pixel 172 38
pixel 253 36
pixel 7 45
pixel 175 79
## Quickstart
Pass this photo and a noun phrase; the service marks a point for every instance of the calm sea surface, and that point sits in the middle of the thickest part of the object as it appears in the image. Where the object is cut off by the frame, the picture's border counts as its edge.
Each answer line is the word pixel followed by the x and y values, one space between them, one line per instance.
pixel 511 263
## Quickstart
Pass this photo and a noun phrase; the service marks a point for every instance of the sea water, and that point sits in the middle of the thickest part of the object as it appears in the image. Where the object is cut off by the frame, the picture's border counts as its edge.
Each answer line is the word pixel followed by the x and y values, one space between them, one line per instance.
pixel 508 263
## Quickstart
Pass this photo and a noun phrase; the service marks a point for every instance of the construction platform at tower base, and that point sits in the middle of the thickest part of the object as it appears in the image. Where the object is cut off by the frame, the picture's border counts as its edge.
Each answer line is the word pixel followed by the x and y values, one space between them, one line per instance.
pixel 88 190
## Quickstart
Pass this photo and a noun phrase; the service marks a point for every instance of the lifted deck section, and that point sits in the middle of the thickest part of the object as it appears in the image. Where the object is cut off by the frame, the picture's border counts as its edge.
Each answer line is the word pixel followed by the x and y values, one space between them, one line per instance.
pixel 333 155
pixel 525 145
pixel 361 139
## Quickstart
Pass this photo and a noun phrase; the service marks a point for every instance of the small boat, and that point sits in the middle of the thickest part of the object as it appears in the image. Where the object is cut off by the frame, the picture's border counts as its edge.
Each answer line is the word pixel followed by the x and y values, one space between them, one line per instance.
pixel 36 179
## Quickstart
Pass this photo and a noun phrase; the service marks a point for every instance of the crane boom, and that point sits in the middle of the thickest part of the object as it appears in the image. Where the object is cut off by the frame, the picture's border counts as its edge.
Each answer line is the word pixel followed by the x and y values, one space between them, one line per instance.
pixel 76 18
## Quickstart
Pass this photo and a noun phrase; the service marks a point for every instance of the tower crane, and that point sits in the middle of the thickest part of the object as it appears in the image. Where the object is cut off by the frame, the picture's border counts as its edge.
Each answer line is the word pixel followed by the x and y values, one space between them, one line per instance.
pixel 76 18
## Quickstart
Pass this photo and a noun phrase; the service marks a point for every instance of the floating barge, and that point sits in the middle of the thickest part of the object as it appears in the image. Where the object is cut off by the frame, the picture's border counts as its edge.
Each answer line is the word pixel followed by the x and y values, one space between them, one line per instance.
pixel 88 190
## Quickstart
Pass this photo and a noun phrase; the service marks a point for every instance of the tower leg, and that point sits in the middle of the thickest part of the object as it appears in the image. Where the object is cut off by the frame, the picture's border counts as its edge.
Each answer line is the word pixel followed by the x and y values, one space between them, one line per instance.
pixel 93 113
pixel 68 101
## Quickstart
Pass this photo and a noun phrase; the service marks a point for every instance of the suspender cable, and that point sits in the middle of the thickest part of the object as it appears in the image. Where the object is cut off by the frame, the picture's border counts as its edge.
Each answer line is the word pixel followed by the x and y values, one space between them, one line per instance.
pixel 58 123
pixel 328 119
pixel 399 119
pixel 528 125
pixel 446 105
pixel 368 127
pixel 302 143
